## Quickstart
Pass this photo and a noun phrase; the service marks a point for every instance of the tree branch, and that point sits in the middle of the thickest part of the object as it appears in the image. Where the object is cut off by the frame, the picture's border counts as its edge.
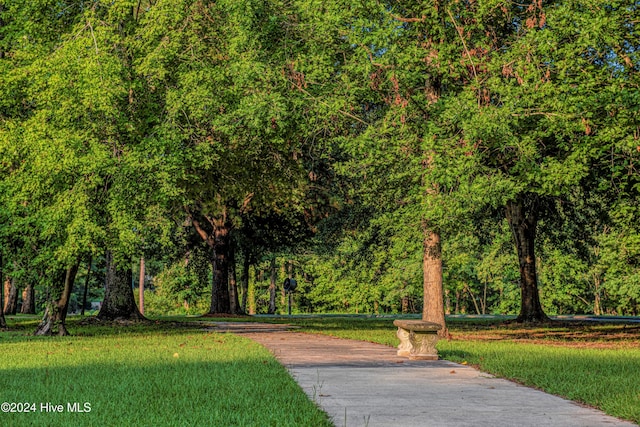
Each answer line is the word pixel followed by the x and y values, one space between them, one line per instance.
pixel 402 19
pixel 201 232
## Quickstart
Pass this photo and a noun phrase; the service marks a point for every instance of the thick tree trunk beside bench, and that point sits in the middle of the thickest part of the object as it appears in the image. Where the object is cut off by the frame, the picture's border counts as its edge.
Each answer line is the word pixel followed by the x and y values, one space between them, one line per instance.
pixel 417 339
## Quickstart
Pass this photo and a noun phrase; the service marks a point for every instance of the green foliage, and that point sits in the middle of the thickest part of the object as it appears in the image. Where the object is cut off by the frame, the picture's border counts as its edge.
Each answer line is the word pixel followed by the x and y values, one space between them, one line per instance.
pixel 177 291
pixel 120 120
pixel 184 287
pixel 467 106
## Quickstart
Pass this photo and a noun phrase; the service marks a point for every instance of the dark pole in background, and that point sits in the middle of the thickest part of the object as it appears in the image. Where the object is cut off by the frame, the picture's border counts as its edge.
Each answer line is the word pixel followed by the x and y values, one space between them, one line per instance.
pixel 289 287
pixel 86 286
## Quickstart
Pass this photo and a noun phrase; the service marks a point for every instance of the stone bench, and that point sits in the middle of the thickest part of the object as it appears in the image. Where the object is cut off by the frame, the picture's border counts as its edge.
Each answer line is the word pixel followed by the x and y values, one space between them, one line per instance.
pixel 417 339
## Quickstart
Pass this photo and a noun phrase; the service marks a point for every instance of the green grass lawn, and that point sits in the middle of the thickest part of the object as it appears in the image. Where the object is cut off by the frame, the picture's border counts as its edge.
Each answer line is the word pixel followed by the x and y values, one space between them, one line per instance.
pixel 174 374
pixel 152 375
pixel 604 378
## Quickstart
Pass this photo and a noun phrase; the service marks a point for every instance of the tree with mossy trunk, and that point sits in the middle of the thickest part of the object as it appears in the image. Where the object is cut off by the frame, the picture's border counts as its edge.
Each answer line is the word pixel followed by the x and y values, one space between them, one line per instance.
pixel 57 303
pixel 119 302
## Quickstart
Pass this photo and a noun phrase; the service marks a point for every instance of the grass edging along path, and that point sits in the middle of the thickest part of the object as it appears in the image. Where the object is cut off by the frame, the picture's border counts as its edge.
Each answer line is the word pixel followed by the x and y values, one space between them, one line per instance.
pixel 594 364
pixel 146 375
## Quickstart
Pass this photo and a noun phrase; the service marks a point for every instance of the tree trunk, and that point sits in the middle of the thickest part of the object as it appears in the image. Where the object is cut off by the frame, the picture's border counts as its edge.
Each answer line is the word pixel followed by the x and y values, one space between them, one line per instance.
pixel 10 296
pixel 283 294
pixel 272 287
pixel 28 300
pixel 86 286
pixel 218 241
pixel 522 215
pixel 118 303
pixel 484 300
pixel 233 284
pixel 597 304
pixel 244 282
pixel 251 291
pixel 141 287
pixel 55 313
pixel 457 309
pixel 405 304
pixel 433 309
pixel 447 302
pixel 220 301
pixel 3 321
pixel 473 298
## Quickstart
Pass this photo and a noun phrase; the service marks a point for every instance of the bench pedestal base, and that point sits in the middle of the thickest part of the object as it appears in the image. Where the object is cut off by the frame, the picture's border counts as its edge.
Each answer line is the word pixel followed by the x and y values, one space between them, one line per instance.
pixel 417 339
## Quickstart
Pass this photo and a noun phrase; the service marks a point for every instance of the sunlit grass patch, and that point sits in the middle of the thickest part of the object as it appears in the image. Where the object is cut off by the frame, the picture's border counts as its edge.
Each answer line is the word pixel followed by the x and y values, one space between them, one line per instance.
pixel 603 378
pixel 149 376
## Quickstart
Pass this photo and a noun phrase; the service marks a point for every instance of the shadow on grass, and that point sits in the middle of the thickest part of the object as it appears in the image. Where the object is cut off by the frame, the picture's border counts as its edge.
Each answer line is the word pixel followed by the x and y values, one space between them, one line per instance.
pixel 557 332
pixel 22 329
pixel 168 392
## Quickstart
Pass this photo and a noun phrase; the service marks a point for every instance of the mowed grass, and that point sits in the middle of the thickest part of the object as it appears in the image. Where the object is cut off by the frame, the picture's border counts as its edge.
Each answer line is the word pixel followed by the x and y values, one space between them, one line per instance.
pixel 147 375
pixel 171 374
pixel 594 364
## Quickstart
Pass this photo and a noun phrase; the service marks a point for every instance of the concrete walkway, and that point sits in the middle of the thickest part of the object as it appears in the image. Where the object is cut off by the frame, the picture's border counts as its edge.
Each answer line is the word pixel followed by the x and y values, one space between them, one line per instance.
pixel 366 384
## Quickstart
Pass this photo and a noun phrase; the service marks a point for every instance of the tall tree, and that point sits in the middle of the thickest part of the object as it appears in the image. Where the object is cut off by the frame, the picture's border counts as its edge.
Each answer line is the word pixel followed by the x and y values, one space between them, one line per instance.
pixel 397 91
pixel 230 116
pixel 3 321
pixel 535 120
pixel 80 176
